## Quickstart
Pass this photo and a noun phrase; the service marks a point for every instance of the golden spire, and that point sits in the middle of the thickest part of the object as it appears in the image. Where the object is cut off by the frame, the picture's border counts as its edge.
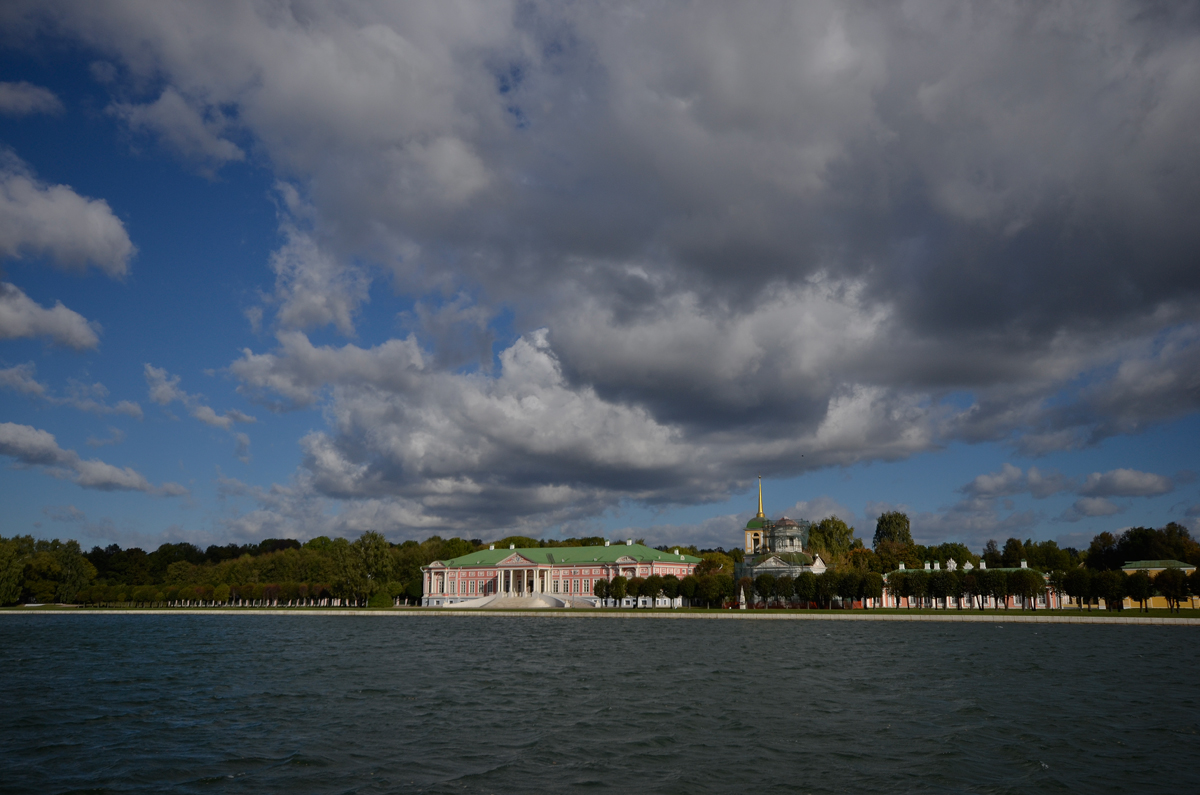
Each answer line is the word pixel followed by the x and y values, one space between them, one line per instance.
pixel 760 514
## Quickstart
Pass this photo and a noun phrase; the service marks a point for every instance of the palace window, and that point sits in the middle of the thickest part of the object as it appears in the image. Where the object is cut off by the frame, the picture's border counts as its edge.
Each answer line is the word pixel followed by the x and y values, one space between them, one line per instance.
pixel 556 586
pixel 472 586
pixel 587 586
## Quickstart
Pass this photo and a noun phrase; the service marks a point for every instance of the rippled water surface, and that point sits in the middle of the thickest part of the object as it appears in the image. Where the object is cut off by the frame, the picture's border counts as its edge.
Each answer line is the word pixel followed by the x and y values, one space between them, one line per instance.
pixel 339 704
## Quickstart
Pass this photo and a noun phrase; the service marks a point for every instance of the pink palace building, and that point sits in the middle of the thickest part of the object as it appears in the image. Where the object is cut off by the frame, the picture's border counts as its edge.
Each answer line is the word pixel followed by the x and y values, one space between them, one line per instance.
pixel 564 572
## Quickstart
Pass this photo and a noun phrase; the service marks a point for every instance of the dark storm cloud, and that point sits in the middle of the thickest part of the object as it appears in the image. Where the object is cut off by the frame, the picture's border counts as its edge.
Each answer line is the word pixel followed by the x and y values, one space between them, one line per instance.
pixel 770 237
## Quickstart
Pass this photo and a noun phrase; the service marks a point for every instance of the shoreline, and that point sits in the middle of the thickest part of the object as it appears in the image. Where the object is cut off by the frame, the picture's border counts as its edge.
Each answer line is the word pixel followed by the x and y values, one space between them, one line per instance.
pixel 728 615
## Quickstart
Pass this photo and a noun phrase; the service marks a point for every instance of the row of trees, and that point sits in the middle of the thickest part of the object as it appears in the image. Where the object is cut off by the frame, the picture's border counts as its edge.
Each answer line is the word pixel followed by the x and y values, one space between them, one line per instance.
pixel 715 590
pixel 1172 542
pixel 846 584
pixel 1088 586
pixel 977 584
pixel 711 590
pixel 351 572
pixel 293 594
pixel 354 572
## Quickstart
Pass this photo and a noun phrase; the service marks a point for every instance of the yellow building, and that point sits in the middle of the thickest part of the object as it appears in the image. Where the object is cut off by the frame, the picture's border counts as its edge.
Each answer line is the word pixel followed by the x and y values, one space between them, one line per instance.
pixel 1153 567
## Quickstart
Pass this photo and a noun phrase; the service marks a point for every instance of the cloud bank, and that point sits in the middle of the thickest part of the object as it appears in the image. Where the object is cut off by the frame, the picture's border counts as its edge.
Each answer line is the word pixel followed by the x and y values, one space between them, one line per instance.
pixel 727 240
pixel 34 447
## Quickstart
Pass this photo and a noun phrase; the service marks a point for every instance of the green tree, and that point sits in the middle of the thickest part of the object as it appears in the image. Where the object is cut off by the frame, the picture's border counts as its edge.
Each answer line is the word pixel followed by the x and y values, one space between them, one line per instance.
pixel 940 584
pixel 652 588
pixel 376 563
pixel 380 598
pixel 1172 584
pixel 955 587
pixel 708 590
pixel 764 586
pixel 715 563
pixel 724 586
pixel 872 586
pixel 972 587
pixel 1140 588
pixel 1013 553
pixel 917 583
pixel 832 539
pixel 670 586
pixel 1078 585
pixel 634 589
pixel 998 587
pixel 1027 584
pixel 827 587
pixel 181 572
pixel 897 586
pixel 687 588
pixel 892 526
pixel 1110 586
pixel 849 586
pixel 349 572
pixel 785 588
pixel 618 589
pixel 12 566
pixel 600 589
pixel 865 559
pixel 806 587
pixel 1102 553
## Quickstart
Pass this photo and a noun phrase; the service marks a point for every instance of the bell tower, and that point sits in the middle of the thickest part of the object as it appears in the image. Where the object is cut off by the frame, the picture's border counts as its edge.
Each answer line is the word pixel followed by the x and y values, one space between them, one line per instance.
pixel 757 527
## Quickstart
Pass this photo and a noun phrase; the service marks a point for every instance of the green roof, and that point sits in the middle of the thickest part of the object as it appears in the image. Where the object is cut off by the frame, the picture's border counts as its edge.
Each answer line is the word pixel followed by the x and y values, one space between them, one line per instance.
pixel 571 556
pixel 756 524
pixel 1135 565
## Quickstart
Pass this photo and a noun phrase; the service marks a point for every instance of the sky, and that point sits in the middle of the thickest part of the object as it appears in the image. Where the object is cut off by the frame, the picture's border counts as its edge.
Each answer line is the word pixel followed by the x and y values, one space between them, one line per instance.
pixel 288 269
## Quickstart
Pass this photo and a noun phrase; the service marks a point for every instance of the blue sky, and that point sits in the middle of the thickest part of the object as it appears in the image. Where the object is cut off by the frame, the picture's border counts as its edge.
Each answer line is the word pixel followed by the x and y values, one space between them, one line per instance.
pixel 482 269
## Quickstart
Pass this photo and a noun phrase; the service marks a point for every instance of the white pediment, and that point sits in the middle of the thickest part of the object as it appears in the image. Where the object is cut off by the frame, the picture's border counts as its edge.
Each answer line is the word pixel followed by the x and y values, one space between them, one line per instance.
pixel 516 560
pixel 626 559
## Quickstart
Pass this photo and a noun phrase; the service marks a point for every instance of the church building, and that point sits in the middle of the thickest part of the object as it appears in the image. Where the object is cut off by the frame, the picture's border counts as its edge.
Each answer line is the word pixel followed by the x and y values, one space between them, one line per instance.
pixel 778 547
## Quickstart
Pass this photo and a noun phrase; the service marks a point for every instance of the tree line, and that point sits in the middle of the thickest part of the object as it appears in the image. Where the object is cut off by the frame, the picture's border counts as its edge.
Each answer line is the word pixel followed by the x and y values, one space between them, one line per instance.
pixel 371 570
pixel 322 571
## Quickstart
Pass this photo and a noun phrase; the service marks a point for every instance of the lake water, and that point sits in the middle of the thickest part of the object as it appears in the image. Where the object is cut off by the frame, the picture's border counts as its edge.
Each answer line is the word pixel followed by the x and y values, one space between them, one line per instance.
pixel 303 704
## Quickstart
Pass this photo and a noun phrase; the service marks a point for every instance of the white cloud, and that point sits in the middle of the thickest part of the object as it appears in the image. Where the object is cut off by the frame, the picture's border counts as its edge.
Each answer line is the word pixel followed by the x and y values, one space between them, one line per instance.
pixel 312 287
pixel 1126 483
pixel 21 379
pixel 193 132
pixel 34 447
pixel 65 513
pixel 1009 480
pixel 1045 484
pixel 84 397
pixel 754 235
pixel 164 389
pixel 116 436
pixel 21 317
pixel 54 221
pixel 243 447
pixel 23 99
pixel 1090 507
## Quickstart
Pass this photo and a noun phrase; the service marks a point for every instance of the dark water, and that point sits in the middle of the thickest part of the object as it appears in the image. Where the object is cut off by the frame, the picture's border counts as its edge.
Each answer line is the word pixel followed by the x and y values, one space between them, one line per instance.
pixel 305 704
